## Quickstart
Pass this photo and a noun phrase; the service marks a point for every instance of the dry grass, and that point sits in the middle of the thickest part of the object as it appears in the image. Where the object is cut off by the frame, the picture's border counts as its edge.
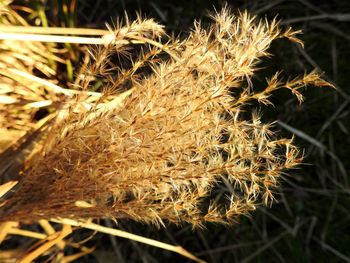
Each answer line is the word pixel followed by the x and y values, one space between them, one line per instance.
pixel 22 94
pixel 158 152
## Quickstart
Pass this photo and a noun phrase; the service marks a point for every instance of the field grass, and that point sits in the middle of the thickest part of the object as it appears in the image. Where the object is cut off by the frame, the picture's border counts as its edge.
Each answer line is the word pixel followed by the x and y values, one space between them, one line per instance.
pixel 311 220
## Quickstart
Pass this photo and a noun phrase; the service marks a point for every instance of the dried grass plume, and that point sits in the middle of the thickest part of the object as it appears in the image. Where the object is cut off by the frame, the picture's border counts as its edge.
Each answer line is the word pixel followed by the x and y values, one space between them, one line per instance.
pixel 177 137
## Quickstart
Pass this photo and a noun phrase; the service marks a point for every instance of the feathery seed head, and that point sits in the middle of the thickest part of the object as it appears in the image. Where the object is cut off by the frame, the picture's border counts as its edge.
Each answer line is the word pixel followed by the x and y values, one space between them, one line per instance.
pixel 176 138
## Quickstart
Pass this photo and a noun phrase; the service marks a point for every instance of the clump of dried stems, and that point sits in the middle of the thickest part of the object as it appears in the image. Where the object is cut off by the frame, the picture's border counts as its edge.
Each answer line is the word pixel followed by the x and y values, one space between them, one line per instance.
pixel 160 152
pixel 22 93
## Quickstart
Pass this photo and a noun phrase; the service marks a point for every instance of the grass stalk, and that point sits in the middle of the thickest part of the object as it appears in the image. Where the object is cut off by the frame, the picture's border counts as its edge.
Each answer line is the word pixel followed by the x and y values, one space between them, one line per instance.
pixel 116 232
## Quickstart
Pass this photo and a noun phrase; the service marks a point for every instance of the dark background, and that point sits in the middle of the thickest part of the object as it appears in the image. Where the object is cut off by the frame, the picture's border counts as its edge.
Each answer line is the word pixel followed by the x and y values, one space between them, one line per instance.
pixel 311 220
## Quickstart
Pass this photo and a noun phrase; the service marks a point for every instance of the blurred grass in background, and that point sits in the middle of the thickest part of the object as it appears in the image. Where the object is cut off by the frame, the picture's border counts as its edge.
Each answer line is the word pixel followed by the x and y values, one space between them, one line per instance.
pixel 311 221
